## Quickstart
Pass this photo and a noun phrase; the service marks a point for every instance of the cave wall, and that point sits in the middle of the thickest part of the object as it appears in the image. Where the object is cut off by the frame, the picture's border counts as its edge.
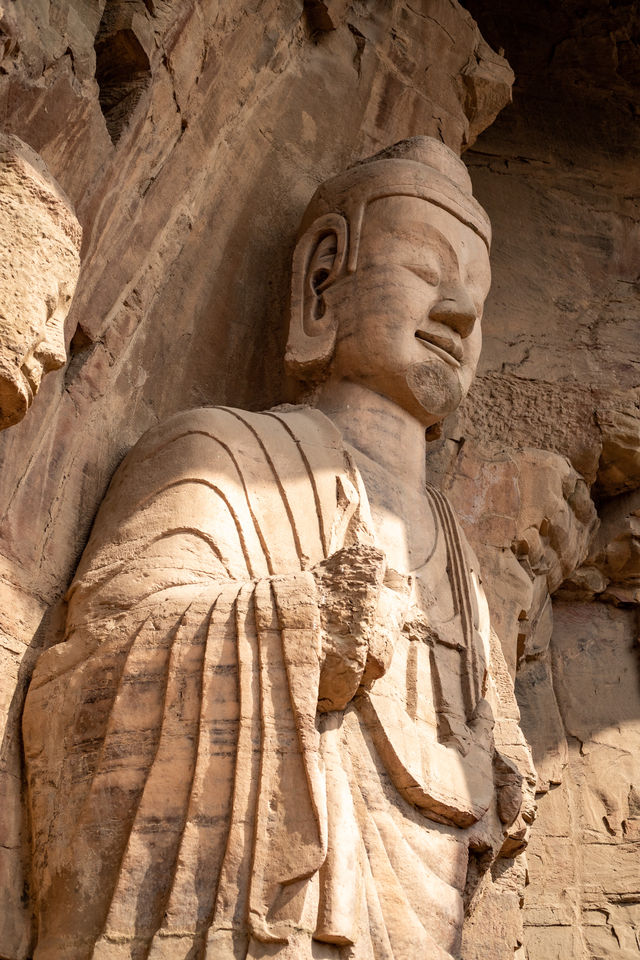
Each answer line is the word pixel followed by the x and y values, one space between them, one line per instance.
pixel 189 136
pixel 560 373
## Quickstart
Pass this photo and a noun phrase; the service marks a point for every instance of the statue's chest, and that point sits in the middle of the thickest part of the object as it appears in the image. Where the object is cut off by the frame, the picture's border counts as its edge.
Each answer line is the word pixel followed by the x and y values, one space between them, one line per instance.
pixel 403 519
pixel 427 713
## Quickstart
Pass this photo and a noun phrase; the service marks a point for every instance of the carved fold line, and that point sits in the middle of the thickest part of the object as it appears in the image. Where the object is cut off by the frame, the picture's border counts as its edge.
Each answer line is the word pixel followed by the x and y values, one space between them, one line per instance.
pixel 92 621
pixel 204 582
pixel 381 874
pixel 461 591
pixel 78 826
pixel 257 919
pixel 452 537
pixel 114 703
pixel 376 927
pixel 276 477
pixel 230 454
pixel 436 526
pixel 339 907
pixel 101 899
pixel 211 486
pixel 289 766
pixel 307 734
pixel 245 788
pixel 312 480
pixel 434 797
pixel 377 924
pixel 163 444
pixel 455 579
pixel 466 590
pixel 169 662
pixel 197 753
pixel 424 903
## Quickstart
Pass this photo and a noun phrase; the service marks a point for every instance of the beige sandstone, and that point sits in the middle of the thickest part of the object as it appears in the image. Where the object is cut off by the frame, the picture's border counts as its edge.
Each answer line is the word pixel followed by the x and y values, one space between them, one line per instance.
pixel 39 266
pixel 188 209
pixel 189 137
pixel 557 174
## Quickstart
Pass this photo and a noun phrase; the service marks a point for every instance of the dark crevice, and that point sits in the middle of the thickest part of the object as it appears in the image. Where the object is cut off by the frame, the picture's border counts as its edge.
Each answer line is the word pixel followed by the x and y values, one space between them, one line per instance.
pixel 321 16
pixel 80 341
pixel 123 70
pixel 360 42
pixel 80 349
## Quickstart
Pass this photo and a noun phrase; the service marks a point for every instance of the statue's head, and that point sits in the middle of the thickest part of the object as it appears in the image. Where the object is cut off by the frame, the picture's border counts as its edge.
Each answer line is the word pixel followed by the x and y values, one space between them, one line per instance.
pixel 390 275
pixel 39 266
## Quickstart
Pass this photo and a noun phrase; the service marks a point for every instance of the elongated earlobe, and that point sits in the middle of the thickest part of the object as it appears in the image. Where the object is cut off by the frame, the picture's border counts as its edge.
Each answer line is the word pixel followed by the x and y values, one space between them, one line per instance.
pixel 318 261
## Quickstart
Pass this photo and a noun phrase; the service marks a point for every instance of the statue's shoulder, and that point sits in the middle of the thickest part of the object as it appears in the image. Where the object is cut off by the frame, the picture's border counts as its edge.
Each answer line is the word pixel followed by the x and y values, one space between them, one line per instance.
pixel 218 444
pixel 230 428
pixel 217 470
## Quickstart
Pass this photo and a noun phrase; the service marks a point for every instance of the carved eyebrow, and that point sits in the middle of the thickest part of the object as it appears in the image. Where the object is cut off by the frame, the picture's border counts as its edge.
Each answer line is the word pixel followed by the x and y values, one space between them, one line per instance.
pixel 449 255
pixel 424 271
pixel 424 231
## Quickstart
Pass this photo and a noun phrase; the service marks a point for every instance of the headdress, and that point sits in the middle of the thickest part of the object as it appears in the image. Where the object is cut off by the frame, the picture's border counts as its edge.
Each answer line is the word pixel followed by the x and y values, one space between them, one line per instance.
pixel 419 167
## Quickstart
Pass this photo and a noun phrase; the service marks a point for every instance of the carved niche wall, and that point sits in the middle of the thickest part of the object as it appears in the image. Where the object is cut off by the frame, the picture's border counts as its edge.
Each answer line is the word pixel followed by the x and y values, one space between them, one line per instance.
pixel 189 214
pixel 188 223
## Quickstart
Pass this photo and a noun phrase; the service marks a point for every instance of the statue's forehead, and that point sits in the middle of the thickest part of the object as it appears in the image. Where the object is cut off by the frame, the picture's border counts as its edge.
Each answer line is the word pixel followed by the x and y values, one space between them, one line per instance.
pixel 417 220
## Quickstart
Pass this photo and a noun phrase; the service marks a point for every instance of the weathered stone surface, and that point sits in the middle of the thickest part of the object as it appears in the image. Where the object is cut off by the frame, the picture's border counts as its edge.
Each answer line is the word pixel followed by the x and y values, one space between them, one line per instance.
pixel 189 136
pixel 560 373
pixel 494 928
pixel 39 266
pixel 590 890
pixel 188 221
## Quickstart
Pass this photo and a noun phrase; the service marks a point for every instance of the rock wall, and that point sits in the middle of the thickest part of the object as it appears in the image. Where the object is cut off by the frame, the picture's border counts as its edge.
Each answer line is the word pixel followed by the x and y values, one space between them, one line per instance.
pixel 189 136
pixel 557 173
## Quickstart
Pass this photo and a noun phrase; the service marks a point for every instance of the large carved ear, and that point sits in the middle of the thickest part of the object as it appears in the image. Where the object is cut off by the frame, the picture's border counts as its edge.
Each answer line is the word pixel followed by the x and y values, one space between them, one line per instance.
pixel 317 262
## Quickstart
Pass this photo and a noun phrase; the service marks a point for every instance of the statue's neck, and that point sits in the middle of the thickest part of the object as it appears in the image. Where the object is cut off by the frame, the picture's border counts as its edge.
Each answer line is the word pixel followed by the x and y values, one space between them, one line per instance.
pixel 378 428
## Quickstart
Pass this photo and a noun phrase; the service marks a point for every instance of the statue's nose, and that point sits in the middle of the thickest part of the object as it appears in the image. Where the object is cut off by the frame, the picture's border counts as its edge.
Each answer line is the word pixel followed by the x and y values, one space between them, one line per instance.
pixel 455 309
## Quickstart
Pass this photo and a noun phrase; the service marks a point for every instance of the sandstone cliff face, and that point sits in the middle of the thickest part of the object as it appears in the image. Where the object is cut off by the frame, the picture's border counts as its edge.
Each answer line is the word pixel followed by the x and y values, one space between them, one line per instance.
pixel 558 176
pixel 189 137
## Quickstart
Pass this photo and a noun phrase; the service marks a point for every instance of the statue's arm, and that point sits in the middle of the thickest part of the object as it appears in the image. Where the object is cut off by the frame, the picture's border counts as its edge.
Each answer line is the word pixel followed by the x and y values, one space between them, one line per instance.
pixel 177 526
pixel 173 615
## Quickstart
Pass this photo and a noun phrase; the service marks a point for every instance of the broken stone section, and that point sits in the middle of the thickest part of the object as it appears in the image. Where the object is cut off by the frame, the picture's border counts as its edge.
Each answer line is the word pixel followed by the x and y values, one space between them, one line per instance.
pixel 39 267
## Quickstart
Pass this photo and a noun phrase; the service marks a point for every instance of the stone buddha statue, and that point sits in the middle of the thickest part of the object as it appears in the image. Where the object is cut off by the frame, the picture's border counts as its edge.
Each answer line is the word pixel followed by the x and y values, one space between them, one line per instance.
pixel 270 730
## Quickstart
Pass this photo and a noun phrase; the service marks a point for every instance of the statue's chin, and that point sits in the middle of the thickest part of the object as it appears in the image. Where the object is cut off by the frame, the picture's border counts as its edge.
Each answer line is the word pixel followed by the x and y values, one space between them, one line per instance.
pixel 436 386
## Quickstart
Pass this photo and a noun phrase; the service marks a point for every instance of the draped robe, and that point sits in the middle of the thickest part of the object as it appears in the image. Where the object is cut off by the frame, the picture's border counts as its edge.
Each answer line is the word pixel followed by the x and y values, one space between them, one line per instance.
pixel 187 799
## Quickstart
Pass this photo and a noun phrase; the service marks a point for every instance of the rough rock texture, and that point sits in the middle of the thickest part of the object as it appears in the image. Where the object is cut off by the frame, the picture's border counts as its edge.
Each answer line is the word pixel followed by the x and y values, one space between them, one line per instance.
pixel 39 267
pixel 582 898
pixel 189 136
pixel 271 722
pixel 557 173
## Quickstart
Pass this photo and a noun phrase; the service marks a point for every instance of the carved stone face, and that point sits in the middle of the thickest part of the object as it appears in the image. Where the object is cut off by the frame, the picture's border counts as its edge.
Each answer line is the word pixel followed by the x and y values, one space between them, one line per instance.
pixel 39 265
pixel 408 319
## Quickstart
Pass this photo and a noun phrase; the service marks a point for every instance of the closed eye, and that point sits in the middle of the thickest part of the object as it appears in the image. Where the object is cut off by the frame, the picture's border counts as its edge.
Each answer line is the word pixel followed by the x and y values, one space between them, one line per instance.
pixel 429 274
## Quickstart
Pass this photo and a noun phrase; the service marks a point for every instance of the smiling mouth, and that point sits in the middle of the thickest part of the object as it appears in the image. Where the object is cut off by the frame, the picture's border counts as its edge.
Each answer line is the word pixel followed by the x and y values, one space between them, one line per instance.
pixel 442 346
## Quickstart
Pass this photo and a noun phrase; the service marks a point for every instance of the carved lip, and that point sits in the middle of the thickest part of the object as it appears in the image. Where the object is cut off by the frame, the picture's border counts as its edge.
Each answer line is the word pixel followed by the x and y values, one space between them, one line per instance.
pixel 443 346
